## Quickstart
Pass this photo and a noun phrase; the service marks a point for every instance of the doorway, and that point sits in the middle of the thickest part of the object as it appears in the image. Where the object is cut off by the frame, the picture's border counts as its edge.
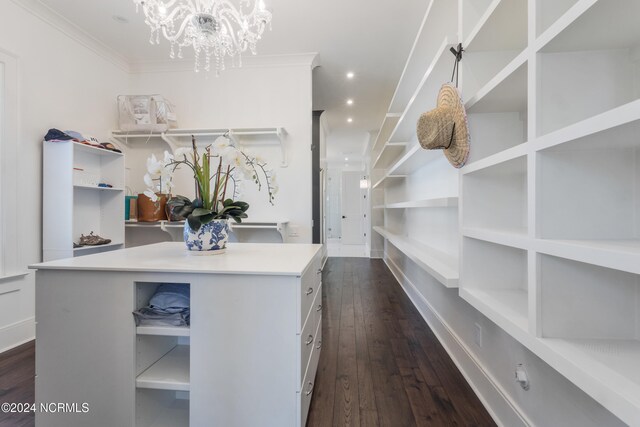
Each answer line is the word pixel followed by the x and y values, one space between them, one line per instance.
pixel 345 215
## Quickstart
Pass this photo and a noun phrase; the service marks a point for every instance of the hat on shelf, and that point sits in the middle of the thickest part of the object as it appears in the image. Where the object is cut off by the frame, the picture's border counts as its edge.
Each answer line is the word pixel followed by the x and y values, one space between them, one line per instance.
pixel 445 127
pixel 57 135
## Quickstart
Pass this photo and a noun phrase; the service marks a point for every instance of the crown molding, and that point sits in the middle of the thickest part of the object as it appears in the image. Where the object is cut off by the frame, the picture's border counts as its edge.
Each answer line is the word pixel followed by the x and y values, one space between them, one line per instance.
pixel 62 24
pixel 310 60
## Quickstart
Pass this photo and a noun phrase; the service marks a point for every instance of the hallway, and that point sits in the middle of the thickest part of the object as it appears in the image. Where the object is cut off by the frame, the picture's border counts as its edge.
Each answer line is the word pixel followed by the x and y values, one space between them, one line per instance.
pixel 381 364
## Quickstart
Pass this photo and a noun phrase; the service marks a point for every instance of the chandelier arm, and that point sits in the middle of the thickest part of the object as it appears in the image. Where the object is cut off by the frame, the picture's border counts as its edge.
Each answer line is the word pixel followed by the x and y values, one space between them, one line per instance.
pixel 174 37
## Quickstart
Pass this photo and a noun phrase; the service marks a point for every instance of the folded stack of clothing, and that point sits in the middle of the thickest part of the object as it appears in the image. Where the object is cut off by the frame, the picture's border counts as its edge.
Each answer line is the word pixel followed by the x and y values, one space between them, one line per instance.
pixel 55 135
pixel 169 306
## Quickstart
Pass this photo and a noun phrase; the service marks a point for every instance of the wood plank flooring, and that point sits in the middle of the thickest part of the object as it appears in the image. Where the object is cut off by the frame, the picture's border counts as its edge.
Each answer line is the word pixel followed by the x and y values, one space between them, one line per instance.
pixel 381 365
pixel 17 376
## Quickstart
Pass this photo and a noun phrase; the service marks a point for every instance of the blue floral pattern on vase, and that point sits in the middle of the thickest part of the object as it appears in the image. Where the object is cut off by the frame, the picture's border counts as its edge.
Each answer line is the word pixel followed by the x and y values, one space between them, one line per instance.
pixel 212 236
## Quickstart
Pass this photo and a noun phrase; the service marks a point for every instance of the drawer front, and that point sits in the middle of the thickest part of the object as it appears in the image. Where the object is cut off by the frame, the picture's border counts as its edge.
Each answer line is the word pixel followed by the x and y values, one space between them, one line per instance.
pixel 307 338
pixel 310 287
pixel 308 385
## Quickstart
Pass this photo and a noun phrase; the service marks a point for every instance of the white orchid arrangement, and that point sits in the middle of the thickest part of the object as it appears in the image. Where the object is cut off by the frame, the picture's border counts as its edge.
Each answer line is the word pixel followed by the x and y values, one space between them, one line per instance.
pixel 217 187
pixel 159 177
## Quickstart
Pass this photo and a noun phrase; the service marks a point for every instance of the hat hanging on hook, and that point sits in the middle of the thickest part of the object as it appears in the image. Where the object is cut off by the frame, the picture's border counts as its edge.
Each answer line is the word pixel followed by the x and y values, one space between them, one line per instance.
pixel 445 127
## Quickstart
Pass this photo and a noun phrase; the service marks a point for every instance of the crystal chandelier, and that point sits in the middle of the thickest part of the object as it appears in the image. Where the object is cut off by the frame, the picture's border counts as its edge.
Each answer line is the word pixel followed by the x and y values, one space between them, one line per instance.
pixel 211 27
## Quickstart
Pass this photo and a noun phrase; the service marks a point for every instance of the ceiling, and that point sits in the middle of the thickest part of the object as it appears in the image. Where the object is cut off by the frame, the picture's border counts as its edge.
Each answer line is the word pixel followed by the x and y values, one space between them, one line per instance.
pixel 370 38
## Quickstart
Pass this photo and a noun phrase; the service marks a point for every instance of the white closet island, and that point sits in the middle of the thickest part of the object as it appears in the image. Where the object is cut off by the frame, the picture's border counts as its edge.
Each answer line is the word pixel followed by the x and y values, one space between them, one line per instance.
pixel 248 358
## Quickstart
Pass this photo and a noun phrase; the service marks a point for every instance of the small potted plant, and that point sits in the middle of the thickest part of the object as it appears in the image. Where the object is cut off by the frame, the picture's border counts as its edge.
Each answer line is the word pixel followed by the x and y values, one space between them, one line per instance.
pixel 217 173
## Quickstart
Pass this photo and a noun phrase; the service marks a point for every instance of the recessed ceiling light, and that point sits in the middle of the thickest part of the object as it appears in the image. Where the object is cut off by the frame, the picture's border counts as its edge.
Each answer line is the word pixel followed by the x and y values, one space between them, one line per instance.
pixel 349 101
pixel 120 19
pixel 349 120
pixel 350 75
pixel 346 159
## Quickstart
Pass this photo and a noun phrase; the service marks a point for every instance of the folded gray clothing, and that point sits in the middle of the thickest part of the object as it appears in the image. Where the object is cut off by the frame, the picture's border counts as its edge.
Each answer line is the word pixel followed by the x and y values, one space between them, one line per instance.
pixel 151 317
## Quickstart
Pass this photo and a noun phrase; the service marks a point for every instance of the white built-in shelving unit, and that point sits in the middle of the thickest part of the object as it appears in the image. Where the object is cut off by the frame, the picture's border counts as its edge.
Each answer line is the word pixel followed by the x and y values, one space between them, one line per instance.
pixel 547 214
pixel 74 204
pixel 550 206
pixel 404 174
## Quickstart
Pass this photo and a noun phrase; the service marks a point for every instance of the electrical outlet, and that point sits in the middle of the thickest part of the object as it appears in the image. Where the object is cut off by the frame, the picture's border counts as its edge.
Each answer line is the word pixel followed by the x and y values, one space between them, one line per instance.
pixel 477 335
pixel 521 376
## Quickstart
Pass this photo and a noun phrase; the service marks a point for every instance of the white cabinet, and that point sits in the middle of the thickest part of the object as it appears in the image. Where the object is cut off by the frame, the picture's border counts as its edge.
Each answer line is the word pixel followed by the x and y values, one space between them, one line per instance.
pixel 72 202
pixel 248 358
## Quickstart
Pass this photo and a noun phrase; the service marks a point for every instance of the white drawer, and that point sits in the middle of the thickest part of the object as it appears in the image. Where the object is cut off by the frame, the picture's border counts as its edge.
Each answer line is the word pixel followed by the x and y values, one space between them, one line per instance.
pixel 306 342
pixel 308 385
pixel 309 288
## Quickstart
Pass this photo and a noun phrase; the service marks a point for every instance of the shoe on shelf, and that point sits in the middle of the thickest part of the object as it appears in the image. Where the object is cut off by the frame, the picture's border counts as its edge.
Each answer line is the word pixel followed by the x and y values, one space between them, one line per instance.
pixel 76 245
pixel 93 240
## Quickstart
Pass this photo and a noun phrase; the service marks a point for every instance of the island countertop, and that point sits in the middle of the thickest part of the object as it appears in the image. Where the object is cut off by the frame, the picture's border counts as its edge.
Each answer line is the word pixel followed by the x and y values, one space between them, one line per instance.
pixel 288 259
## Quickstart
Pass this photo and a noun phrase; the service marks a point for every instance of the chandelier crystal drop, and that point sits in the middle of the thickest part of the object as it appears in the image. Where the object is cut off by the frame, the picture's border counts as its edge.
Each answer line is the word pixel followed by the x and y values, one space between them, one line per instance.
pixel 212 27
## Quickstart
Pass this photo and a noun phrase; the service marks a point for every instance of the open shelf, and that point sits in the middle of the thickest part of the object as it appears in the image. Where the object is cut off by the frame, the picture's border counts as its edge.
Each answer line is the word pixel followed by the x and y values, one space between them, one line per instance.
pixel 388 153
pixel 494 281
pixel 441 202
pixel 96 247
pixel 583 72
pixel 498 38
pixel 574 203
pixel 388 124
pixel 497 114
pixel 495 198
pixel 95 187
pixel 412 160
pixel 385 177
pixel 167 331
pixel 440 19
pixel 514 238
pixel 440 265
pixel 426 94
pixel 170 372
pixel 89 149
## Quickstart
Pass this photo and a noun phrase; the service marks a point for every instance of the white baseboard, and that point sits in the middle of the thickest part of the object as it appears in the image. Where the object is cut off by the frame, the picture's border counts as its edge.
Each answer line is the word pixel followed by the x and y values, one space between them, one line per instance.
pixel 376 254
pixel 17 333
pixel 500 406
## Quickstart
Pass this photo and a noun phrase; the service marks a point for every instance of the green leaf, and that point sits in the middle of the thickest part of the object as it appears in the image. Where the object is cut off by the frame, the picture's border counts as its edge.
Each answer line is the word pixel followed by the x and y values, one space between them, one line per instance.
pixel 228 202
pixel 194 222
pixel 201 212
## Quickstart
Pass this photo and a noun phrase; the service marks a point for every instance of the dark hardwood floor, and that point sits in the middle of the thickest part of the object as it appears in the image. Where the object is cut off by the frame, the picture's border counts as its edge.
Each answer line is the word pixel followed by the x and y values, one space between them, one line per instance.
pixel 381 365
pixel 17 375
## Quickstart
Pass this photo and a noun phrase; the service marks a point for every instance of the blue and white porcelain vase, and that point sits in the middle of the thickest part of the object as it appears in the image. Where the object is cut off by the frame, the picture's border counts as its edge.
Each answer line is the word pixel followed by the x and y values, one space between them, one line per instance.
pixel 210 239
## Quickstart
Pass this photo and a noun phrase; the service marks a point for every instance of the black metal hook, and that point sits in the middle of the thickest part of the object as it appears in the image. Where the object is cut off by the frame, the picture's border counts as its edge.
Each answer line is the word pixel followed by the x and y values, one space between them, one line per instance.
pixel 457 52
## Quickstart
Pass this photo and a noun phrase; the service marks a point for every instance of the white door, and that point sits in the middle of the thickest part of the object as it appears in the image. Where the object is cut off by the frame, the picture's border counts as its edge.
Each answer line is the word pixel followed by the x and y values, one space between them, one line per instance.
pixel 352 217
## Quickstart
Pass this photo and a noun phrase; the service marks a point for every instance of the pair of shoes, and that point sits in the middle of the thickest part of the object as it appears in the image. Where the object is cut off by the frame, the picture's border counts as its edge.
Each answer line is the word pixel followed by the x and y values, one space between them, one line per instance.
pixel 93 240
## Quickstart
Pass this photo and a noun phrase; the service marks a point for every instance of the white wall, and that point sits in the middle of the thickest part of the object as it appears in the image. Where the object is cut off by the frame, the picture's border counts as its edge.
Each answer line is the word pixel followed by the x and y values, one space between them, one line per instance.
pixel 265 95
pixel 64 84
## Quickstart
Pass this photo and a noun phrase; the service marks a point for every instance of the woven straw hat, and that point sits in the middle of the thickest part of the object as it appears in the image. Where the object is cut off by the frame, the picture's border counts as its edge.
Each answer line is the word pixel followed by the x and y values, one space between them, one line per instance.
pixel 445 127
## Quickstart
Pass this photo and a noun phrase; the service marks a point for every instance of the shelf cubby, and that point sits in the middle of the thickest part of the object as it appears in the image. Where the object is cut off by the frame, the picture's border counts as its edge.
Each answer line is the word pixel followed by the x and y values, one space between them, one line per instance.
pixel 161 408
pixel 487 50
pixel 440 265
pixel 494 281
pixel 582 72
pixel 387 155
pixel 170 372
pixel 413 159
pixel 440 19
pixel 388 124
pixel 574 203
pixel 497 114
pixel 425 94
pixel 549 11
pixel 495 198
pixel 440 202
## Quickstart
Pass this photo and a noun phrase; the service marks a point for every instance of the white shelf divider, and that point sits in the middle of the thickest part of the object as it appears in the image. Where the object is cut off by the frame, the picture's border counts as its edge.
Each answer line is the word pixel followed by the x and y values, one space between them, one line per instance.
pixel 97 247
pixel 171 372
pixel 440 265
